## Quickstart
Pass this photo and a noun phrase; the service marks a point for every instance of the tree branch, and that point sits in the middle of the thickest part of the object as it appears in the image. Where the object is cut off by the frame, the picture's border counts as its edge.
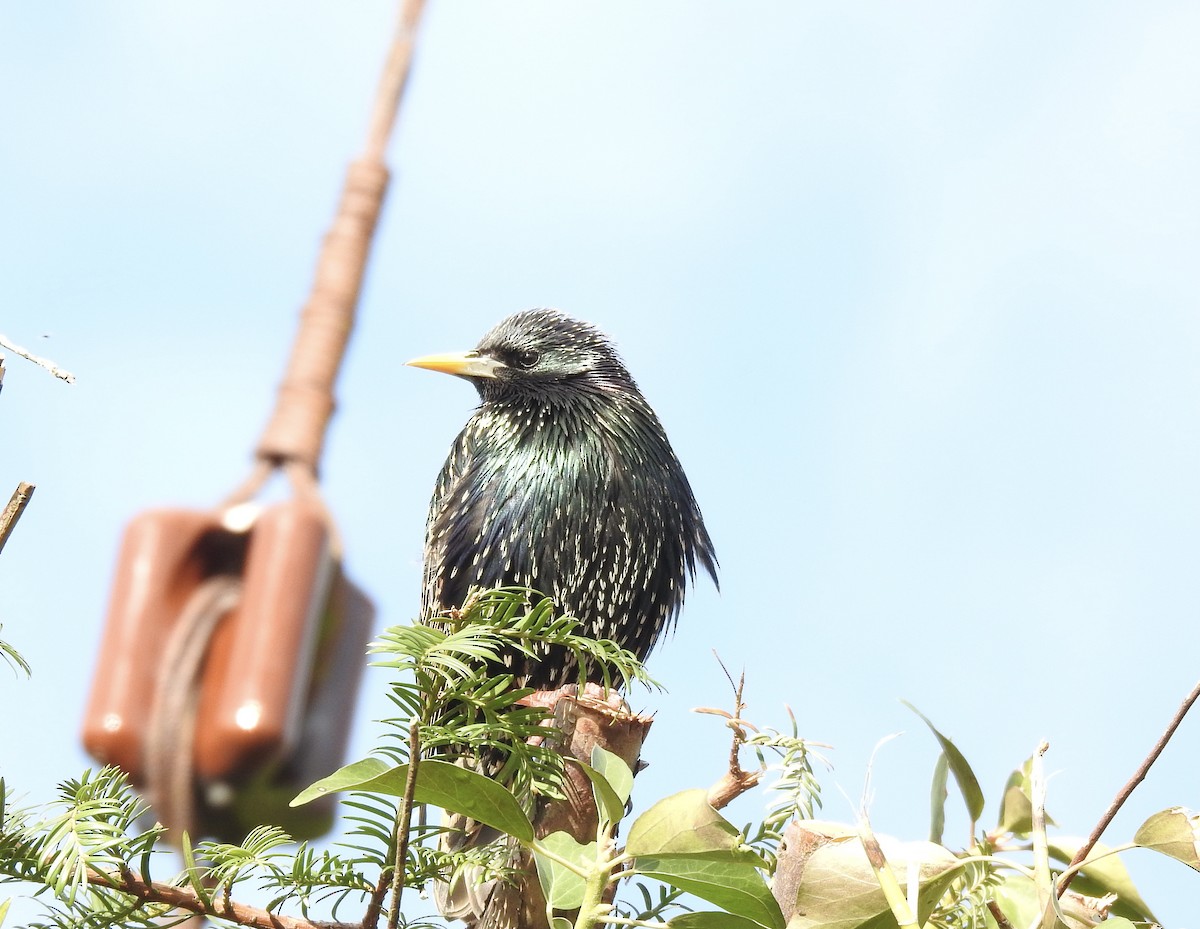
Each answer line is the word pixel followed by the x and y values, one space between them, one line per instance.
pixel 40 362
pixel 183 898
pixel 1138 776
pixel 12 512
pixel 736 780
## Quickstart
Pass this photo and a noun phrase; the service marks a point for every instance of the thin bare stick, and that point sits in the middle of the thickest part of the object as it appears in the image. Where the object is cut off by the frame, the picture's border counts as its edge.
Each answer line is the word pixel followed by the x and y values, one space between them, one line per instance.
pixel 12 512
pixel 736 780
pixel 1138 776
pixel 40 362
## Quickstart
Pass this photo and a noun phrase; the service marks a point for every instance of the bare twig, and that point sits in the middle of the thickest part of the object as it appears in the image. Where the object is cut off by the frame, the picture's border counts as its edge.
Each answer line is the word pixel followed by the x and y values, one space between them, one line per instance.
pixel 1123 794
pixel 40 362
pixel 12 512
pixel 736 780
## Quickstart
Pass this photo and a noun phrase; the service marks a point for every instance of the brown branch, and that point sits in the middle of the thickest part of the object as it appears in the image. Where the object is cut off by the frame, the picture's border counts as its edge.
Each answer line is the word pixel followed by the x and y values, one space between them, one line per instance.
pixel 1138 776
pixel 998 915
pixel 736 780
pixel 375 905
pixel 12 512
pixel 183 898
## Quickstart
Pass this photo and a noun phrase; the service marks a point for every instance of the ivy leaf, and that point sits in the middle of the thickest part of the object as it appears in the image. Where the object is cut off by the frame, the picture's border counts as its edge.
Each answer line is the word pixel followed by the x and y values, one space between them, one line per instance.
pixel 685 824
pixel 968 784
pixel 737 888
pixel 1174 832
pixel 440 784
pixel 562 887
pixel 839 890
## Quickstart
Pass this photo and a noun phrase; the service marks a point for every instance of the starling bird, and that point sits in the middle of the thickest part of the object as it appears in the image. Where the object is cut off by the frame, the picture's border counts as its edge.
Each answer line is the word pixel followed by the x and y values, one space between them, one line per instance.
pixel 562 481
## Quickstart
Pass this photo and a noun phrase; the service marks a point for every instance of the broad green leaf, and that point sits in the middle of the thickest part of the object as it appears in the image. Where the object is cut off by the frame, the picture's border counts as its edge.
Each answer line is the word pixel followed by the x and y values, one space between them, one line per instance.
pixel 1017 897
pixel 616 773
pixel 608 803
pixel 1174 832
pixel 562 887
pixel 963 775
pixel 937 799
pixel 348 777
pixel 1103 876
pixel 839 889
pixel 685 824
pixel 440 784
pixel 737 888
pixel 561 922
pixel 710 920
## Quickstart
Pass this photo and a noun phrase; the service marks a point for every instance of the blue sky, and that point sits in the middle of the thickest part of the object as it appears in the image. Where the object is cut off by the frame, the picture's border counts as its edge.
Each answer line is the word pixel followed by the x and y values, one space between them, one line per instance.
pixel 912 287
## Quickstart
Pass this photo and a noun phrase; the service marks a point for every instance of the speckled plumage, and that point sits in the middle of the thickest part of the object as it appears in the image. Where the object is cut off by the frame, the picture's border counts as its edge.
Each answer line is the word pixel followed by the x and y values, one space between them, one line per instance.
pixel 563 480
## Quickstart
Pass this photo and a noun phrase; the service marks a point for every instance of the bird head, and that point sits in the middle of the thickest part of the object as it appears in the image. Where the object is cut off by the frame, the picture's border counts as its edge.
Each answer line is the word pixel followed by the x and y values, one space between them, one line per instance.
pixel 535 351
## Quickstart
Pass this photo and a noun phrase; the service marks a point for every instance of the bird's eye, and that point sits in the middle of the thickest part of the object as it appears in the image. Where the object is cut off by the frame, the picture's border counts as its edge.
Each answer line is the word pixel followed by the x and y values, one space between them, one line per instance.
pixel 527 358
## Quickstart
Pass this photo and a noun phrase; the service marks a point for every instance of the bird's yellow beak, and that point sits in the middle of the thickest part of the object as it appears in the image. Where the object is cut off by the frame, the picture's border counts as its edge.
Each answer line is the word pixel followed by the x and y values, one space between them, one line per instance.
pixel 464 364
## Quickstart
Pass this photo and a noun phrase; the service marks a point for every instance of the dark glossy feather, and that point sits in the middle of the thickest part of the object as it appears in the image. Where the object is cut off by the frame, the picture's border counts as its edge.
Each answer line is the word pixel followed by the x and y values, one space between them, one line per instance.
pixel 563 480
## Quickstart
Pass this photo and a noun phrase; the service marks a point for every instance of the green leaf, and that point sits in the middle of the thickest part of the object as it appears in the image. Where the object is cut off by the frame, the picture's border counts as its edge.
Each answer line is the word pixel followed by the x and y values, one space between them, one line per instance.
pixel 1103 876
pixel 963 775
pixel 608 803
pixel 737 888
pixel 195 874
pixel 1174 832
pixel 616 772
pixel 349 777
pixel 560 922
pixel 685 824
pixel 4 905
pixel 439 783
pixel 562 887
pixel 1017 897
pixel 937 799
pixel 710 920
pixel 839 889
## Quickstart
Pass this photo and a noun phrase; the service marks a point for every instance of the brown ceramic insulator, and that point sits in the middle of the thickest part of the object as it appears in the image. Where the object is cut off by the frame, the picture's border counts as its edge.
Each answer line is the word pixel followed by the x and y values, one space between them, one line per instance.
pixel 163 556
pixel 255 680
